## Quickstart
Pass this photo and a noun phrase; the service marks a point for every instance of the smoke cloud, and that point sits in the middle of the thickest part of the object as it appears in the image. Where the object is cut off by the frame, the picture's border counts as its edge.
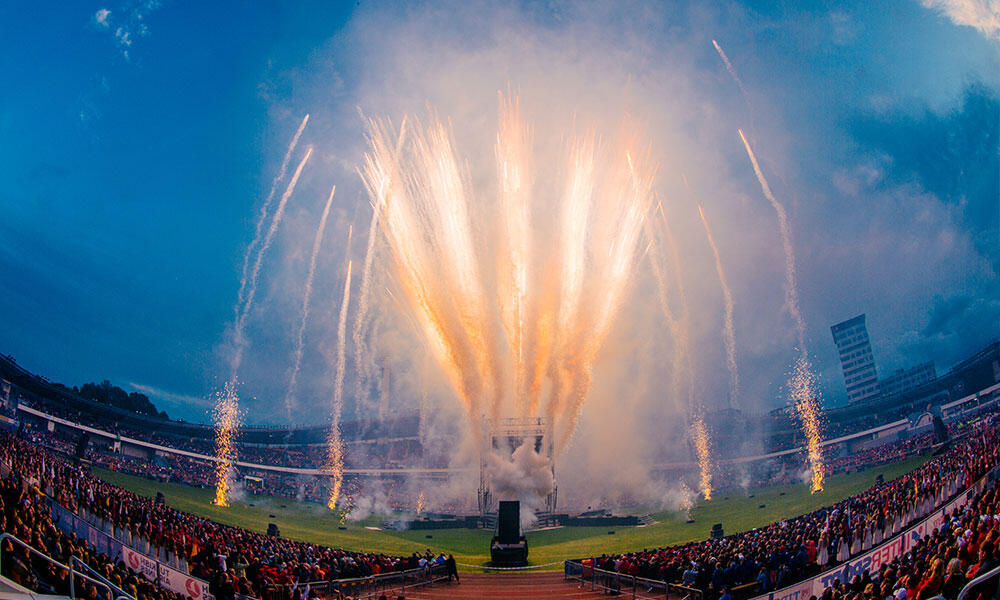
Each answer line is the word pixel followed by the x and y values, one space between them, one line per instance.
pixel 582 69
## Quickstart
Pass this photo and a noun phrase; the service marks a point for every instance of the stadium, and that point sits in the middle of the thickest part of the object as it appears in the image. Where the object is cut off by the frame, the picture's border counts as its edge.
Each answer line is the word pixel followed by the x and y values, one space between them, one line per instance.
pixel 434 300
pixel 898 492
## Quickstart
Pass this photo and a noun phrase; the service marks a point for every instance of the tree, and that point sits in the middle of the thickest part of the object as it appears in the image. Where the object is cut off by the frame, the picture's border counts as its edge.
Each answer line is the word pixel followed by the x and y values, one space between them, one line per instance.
pixel 112 395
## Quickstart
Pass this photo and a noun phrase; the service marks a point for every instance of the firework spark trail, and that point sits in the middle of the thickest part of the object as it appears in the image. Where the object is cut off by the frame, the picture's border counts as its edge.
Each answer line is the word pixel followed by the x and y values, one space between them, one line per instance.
pixel 674 323
pixel 224 428
pixel 513 157
pixel 801 386
pixel 729 329
pixel 442 192
pixel 804 395
pixel 225 415
pixel 732 71
pixel 637 176
pixel 412 263
pixel 335 448
pixel 661 282
pixel 542 316
pixel 420 503
pixel 573 252
pixel 251 291
pixel 300 344
pixel 363 366
pixel 703 446
pixel 682 383
pixel 263 212
pixel 362 358
pixel 791 287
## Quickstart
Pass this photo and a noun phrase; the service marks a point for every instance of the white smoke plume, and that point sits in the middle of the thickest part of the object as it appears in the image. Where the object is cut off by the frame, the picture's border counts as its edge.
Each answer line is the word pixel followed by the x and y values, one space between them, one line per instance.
pixel 526 476
pixel 577 68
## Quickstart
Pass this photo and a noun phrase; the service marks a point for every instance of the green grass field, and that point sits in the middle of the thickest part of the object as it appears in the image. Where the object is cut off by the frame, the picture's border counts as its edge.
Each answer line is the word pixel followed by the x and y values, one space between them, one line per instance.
pixel 314 523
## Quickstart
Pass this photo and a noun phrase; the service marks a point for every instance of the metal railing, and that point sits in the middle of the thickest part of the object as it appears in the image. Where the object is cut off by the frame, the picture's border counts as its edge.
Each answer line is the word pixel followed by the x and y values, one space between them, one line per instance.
pixel 371 586
pixel 96 579
pixel 978 580
pixel 626 585
pixel 73 560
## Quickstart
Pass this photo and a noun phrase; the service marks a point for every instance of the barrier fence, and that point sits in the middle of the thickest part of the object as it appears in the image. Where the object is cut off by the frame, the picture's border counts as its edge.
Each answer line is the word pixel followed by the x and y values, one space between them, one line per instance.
pixel 359 588
pixel 627 586
pixel 986 579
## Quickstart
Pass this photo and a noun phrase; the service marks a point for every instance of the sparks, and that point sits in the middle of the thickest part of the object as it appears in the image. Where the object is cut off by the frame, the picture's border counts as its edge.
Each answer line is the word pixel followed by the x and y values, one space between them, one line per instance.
pixel 334 445
pixel 226 419
pixel 703 447
pixel 554 331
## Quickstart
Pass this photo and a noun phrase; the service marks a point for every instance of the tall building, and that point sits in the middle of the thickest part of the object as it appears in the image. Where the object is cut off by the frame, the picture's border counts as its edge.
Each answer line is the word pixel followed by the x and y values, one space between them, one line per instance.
pixel 904 380
pixel 856 359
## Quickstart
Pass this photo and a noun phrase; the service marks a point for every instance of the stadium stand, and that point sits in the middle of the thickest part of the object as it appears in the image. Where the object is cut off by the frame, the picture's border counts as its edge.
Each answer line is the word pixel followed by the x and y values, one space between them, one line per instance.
pixel 235 561
pixel 772 558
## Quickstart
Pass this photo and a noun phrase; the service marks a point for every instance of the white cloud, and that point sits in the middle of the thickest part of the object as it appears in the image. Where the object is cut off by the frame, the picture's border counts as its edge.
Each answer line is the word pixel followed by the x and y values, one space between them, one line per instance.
pixel 128 24
pixel 123 36
pixel 173 398
pixel 101 18
pixel 984 15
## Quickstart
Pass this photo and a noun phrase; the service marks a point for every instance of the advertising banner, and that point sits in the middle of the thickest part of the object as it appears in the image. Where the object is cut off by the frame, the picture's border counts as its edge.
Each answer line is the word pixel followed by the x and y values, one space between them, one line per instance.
pixel 151 569
pixel 182 583
pixel 140 563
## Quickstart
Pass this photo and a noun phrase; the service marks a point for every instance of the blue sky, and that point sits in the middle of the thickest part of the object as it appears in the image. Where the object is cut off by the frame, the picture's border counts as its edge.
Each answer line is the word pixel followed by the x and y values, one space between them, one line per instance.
pixel 137 145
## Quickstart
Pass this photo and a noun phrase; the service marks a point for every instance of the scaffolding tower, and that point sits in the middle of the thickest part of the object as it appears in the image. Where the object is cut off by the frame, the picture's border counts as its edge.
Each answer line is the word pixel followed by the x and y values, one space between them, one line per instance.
pixel 501 437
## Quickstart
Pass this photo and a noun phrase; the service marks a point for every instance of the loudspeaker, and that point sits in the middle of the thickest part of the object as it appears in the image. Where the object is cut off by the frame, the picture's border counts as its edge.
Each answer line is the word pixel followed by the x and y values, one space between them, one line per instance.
pixel 272 530
pixel 159 498
pixel 717 533
pixel 509 521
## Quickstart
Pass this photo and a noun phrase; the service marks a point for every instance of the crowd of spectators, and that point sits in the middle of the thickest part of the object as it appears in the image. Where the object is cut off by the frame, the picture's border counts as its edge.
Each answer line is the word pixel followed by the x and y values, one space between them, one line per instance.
pixel 789 551
pixel 879 455
pixel 231 558
pixel 24 512
pixel 238 561
pixel 941 563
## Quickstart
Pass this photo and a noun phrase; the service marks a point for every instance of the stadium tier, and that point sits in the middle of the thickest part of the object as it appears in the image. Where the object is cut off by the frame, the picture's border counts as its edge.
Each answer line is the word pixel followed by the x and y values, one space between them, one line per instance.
pixel 52 503
pixel 775 557
pixel 41 493
pixel 286 461
pixel 237 561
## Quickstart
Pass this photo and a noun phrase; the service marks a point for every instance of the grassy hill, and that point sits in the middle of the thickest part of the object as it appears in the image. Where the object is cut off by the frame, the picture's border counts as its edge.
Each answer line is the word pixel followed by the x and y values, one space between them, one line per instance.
pixel 312 522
